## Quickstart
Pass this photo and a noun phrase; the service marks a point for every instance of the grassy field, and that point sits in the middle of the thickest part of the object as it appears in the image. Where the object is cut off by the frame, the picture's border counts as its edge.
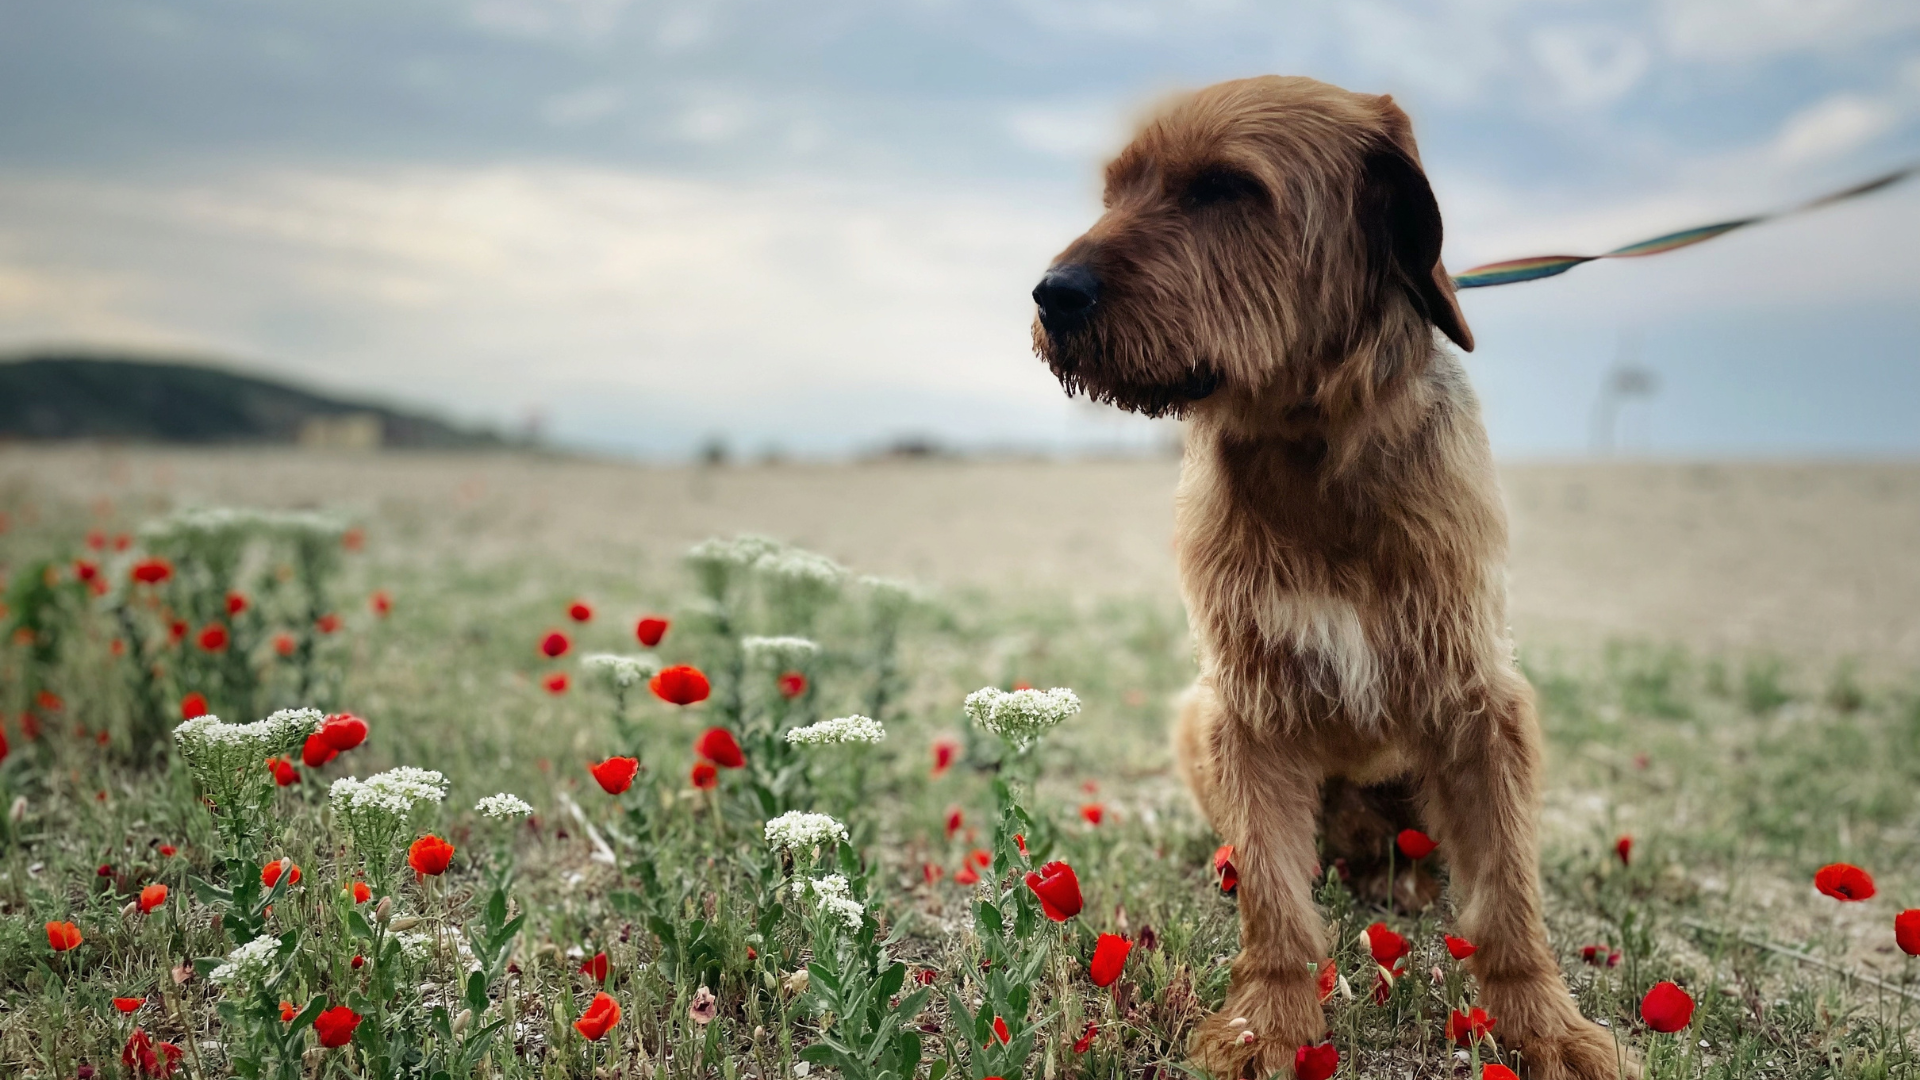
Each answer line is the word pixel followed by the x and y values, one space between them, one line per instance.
pixel 1722 654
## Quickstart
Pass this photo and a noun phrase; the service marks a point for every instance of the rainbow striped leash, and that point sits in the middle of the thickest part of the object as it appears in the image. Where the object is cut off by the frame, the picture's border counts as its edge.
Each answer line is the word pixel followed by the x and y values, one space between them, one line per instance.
pixel 1546 266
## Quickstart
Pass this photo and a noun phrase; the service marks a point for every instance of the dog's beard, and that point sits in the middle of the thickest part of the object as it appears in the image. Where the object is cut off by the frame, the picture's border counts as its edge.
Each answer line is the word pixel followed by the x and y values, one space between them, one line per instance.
pixel 1083 367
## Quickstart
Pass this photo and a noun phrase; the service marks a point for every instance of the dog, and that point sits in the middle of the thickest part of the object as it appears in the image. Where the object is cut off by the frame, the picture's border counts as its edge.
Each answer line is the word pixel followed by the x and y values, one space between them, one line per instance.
pixel 1267 267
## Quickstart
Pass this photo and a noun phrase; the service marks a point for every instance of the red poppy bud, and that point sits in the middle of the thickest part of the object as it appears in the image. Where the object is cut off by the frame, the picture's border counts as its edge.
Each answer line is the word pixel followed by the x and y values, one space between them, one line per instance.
pixel 1623 850
pixel 1093 813
pixel 955 819
pixel 578 611
pixel 554 645
pixel 615 774
pixel 719 746
pixel 650 630
pixel 681 684
pixel 1058 889
pixel 943 754
pixel 1109 958
pixel 792 685
pixel 1000 1033
pixel 1415 844
pixel 1667 1008
pixel 556 683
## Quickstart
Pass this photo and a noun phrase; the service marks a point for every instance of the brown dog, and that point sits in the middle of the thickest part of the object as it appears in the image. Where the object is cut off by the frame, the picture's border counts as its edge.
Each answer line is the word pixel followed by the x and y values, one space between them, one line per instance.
pixel 1268 267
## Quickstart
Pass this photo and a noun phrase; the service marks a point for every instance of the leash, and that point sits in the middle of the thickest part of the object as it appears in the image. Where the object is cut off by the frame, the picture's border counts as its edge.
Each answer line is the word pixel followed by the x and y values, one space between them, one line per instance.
pixel 1545 266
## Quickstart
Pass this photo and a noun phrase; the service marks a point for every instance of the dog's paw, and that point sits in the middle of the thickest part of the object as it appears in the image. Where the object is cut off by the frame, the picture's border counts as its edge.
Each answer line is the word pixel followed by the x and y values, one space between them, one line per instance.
pixel 1256 1034
pixel 1585 1051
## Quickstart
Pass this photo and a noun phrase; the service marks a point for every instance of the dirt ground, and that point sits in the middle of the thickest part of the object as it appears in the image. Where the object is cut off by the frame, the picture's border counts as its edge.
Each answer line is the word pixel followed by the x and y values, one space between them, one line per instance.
pixel 1816 560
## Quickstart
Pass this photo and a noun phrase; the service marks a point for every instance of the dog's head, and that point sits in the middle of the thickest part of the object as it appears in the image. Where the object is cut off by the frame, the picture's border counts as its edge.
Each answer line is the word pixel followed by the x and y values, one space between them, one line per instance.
pixel 1258 234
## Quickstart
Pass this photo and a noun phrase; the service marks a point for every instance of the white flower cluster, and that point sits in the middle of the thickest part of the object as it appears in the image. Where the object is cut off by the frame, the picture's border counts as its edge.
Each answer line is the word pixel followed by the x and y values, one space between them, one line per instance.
pixel 738 553
pixel 277 734
pixel 1023 716
pixel 199 525
pixel 845 729
pixel 799 566
pixel 396 791
pixel 249 964
pixel 799 829
pixel 781 652
pixel 623 670
pixel 503 807
pixel 418 947
pixel 832 894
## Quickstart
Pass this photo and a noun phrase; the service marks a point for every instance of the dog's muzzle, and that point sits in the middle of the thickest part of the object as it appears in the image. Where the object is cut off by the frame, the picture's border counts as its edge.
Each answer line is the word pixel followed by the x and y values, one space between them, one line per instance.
pixel 1066 296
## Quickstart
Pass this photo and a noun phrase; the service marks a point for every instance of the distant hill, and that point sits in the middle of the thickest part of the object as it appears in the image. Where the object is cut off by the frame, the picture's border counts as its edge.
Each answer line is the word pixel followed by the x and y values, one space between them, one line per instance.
pixel 93 396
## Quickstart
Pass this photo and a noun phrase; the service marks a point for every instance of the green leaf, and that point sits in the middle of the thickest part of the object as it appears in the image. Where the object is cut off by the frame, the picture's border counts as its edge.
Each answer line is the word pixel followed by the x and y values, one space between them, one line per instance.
pixel 311 1013
pixel 989 919
pixel 477 992
pixel 359 925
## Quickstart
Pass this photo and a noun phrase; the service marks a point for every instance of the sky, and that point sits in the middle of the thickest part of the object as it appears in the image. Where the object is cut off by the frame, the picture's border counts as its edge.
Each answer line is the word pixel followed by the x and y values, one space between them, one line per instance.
pixel 812 228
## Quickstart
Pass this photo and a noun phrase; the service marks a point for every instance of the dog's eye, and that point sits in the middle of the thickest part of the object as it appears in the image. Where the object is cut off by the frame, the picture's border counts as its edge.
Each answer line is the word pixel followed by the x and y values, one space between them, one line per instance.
pixel 1217 186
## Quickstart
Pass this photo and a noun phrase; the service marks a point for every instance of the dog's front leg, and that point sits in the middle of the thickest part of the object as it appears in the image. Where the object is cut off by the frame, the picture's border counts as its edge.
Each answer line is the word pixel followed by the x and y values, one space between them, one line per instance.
pixel 1261 793
pixel 1482 804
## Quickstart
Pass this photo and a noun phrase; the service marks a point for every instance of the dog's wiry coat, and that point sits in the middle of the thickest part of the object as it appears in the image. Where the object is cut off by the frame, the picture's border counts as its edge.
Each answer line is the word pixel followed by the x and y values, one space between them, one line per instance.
pixel 1268 268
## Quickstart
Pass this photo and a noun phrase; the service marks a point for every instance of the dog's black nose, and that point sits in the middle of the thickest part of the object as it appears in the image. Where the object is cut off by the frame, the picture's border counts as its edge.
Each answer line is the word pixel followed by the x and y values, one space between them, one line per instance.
pixel 1066 295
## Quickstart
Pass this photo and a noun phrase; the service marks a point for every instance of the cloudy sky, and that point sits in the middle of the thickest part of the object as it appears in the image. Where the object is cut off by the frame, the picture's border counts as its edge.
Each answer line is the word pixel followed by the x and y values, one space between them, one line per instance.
pixel 814 226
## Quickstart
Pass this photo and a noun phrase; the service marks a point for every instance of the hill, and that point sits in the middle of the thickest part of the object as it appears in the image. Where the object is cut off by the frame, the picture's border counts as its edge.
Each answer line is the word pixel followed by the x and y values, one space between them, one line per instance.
pixel 52 396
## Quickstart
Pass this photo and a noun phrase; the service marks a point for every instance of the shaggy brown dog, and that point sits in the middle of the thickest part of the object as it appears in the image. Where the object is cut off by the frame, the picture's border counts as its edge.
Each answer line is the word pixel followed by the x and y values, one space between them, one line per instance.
pixel 1268 267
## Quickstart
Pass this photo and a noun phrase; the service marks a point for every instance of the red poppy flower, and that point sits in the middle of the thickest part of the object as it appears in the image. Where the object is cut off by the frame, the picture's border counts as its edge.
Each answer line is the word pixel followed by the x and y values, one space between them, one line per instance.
pixel 792 685
pixel 556 683
pixel 615 774
pixel 1316 1062
pixel 1058 889
pixel 1467 1028
pixel 1415 844
pixel 1844 882
pixel 270 873
pixel 343 731
pixel 145 1058
pixel 943 754
pixel 602 1013
pixel 1383 984
pixel 1493 1070
pixel 152 571
pixel 704 776
pixel 380 603
pixel 315 752
pixel 932 872
pixel 1667 1008
pixel 4 748
pixel 121 541
pixel 980 858
pixel 1623 850
pixel 1224 869
pixel 283 771
pixel 596 966
pixel 578 611
pixel 1020 841
pixel 1593 954
pixel 1085 1042
pixel 430 855
pixel 356 961
pixel 1021 684
pixel 49 701
pixel 1000 1033
pixel 236 603
pixel 966 875
pixel 106 870
pixel 177 631
pixel 335 1026
pixel 117 647
pixel 63 936
pixel 84 570
pixel 1387 947
pixel 360 892
pixel 327 623
pixel 554 645
pixel 129 1004
pixel 1460 948
pixel 681 684
pixel 152 897
pixel 925 976
pixel 288 1012
pixel 168 850
pixel 193 705
pixel 96 540
pixel 1109 957
pixel 955 819
pixel 283 644
pixel 1327 980
pixel 1094 813
pixel 719 746
pixel 650 630
pixel 1906 931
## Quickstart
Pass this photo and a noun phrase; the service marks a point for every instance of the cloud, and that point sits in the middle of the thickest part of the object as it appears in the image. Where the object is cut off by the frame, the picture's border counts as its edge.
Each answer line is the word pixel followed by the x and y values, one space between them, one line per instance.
pixel 1592 64
pixel 1748 30
pixel 1838 125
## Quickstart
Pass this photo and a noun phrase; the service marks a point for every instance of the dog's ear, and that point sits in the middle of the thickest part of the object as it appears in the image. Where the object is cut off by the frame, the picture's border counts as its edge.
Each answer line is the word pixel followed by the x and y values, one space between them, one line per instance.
pixel 1400 221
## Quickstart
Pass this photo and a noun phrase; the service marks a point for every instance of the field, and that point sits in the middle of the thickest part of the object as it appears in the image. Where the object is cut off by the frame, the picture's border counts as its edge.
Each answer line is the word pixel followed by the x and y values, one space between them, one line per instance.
pixel 1724 656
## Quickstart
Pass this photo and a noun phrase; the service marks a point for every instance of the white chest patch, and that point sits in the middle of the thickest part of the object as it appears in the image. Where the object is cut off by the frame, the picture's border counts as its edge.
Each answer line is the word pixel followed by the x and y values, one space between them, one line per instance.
pixel 1326 634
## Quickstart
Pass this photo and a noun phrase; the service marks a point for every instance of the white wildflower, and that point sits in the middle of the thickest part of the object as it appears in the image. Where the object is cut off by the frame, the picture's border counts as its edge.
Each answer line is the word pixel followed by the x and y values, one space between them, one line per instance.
pixel 280 733
pixel 1023 716
pixel 785 653
pixel 504 807
pixel 624 671
pixel 800 567
pixel 845 729
pixel 799 829
pixel 249 964
pixel 397 791
pixel 834 898
pixel 419 945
